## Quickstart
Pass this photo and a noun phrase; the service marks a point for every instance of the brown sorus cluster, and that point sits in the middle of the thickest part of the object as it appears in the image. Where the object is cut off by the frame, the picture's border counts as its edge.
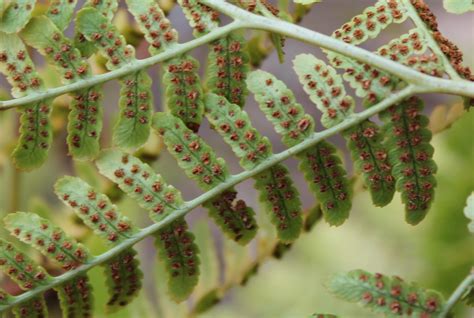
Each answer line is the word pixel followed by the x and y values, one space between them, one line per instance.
pixel 184 93
pixel 328 176
pixel 374 18
pixel 395 298
pixel 179 249
pixel 125 277
pixel 451 50
pixel 158 28
pixel 196 10
pixel 78 296
pixel 233 213
pixel 85 109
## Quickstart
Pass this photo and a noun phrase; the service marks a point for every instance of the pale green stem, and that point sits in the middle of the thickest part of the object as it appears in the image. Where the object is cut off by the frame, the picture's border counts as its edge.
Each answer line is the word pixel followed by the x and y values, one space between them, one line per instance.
pixel 457 294
pixel 230 182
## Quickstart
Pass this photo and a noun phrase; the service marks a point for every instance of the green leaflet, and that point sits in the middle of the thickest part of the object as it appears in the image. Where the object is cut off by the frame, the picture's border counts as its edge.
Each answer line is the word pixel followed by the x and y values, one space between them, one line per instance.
pixel 108 39
pixel 280 107
pixel 124 279
pixel 201 164
pixel 386 295
pixel 35 127
pixel 35 308
pixel 323 171
pixel 326 90
pixel 321 315
pixel 411 156
pixel 175 243
pixel 227 68
pixel 201 17
pixel 98 212
pixel 321 165
pixel 61 12
pixel 153 23
pixel 176 247
pixel 47 238
pixel 95 209
pixel 371 22
pixel 141 183
pixel 75 297
pixel 16 15
pixel 276 189
pixel 184 97
pixel 365 142
pixel 108 9
pixel 21 268
pixel 136 104
pixel 85 117
pixel 306 2
pixel 458 6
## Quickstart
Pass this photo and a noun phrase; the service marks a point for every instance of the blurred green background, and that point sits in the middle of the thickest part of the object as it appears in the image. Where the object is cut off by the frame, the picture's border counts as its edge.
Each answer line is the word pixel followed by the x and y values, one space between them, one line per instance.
pixel 437 253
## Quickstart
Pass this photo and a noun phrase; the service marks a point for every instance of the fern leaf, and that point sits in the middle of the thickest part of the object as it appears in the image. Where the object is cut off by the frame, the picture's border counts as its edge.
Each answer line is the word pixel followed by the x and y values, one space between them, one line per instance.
pixel 16 15
pixel 386 295
pixel 75 297
pixel 174 242
pixel 95 209
pixel 184 97
pixel 21 268
pixel 85 118
pixel 61 12
pixel 34 308
pixel 400 49
pixel 176 247
pixel 228 65
pixel 136 105
pixel 107 8
pixel 370 156
pixel 321 165
pixel 49 239
pixel 411 156
pixel 322 315
pixel 200 163
pixel 276 189
pixel 326 90
pixel 35 126
pixel 371 22
pixel 153 23
pixel 201 17
pixel 124 279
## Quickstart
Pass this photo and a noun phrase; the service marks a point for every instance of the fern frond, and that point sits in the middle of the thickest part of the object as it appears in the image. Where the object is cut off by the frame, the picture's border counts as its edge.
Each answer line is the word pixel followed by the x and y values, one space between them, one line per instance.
pixel 227 68
pixel 411 156
pixel 16 15
pixel 386 295
pixel 276 189
pixel 201 164
pixel 21 268
pixel 175 243
pixel 34 308
pixel 133 126
pixel 326 90
pixel 85 118
pixel 321 165
pixel 60 12
pixel 35 124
